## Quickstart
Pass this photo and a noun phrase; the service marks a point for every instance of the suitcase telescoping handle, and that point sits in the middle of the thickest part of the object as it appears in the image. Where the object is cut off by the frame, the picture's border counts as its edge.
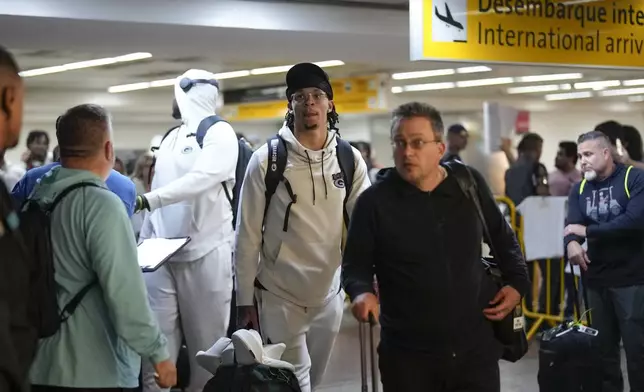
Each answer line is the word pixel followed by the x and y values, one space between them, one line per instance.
pixel 363 355
pixel 583 297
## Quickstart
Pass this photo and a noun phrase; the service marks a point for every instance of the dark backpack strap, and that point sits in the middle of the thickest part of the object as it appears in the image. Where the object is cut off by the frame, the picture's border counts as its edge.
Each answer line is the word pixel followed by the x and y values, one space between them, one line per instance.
pixel 204 126
pixel 347 162
pixel 67 191
pixel 277 155
pixel 468 186
pixel 71 306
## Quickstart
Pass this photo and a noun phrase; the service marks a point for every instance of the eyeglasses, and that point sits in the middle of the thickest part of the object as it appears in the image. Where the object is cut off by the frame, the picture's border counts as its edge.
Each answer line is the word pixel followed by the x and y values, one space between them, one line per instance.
pixel 415 144
pixel 302 97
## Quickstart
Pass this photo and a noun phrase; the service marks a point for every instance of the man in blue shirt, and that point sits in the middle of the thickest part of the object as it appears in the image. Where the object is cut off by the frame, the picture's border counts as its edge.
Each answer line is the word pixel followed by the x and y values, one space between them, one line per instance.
pixel 606 210
pixel 121 185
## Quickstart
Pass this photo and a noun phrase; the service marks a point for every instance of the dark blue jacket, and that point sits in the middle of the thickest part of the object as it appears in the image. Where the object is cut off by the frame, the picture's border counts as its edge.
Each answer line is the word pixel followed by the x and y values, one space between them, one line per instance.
pixel 613 212
pixel 121 185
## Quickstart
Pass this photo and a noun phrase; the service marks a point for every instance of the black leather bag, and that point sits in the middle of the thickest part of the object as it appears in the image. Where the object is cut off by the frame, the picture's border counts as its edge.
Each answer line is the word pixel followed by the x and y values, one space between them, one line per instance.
pixel 510 331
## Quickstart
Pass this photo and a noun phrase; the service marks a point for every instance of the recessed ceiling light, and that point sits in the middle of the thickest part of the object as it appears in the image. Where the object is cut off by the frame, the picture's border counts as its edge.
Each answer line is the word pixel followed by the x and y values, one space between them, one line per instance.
pixel 548 78
pixel 598 85
pixel 219 76
pixel 429 86
pixel 633 82
pixel 484 82
pixel 285 68
pixel 422 74
pixel 565 96
pixel 620 92
pixel 439 72
pixel 85 64
pixel 538 89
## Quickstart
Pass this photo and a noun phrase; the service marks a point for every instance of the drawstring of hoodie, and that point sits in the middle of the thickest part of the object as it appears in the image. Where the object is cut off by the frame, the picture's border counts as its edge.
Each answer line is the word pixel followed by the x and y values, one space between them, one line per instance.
pixel 326 191
pixel 308 161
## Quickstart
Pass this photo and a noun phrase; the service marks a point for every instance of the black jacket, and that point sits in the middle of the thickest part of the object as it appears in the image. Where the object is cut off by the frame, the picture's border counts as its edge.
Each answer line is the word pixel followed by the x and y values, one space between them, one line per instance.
pixel 425 249
pixel 18 336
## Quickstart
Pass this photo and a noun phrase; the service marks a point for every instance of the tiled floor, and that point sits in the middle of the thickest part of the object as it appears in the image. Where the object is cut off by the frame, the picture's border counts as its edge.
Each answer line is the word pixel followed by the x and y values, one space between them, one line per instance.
pixel 343 374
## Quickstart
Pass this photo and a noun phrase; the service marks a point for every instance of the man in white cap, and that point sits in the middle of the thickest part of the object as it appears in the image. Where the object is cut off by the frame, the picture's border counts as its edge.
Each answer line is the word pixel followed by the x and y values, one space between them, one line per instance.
pixel 297 233
pixel 191 294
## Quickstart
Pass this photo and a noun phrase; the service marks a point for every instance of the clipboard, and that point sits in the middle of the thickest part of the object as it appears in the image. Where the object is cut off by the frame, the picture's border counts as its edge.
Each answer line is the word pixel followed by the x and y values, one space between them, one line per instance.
pixel 153 253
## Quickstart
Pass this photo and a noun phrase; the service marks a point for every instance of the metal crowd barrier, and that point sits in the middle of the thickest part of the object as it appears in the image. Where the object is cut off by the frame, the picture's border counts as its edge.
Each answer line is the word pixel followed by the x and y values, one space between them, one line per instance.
pixel 551 316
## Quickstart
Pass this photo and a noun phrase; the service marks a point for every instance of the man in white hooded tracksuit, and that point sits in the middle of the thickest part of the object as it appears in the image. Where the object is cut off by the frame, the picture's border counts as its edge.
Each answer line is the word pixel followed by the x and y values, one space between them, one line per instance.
pixel 291 268
pixel 191 294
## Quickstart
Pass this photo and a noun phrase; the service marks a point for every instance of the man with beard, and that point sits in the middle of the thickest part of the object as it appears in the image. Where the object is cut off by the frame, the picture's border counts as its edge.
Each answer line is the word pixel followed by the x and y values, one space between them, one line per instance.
pixel 607 210
pixel 297 282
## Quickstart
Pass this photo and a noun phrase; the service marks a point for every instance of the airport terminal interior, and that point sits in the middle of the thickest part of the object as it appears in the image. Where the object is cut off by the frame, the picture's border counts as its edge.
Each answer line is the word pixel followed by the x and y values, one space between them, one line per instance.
pixel 126 55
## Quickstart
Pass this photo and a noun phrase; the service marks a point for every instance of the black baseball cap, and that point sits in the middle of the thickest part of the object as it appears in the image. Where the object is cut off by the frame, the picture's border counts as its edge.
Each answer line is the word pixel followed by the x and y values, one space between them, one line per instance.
pixel 304 75
pixel 457 129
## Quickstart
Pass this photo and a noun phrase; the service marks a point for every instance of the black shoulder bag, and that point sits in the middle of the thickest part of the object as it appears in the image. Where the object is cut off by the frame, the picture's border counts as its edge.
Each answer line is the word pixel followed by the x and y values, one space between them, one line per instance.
pixel 510 331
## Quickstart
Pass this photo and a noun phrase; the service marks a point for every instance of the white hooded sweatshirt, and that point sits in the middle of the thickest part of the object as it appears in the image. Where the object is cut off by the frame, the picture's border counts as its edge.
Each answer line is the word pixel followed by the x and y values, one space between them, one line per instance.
pixel 301 265
pixel 187 197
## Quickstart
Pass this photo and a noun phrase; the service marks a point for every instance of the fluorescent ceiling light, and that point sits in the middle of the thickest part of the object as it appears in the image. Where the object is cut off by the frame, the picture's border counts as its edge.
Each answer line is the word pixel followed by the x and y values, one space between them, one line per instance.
pixel 620 92
pixel 598 85
pixel 564 96
pixel 285 68
pixel 85 64
pixel 219 76
pixel 484 82
pixel 397 90
pixel 475 69
pixel 634 82
pixel 439 72
pixel 548 78
pixel 423 74
pixel 429 86
pixel 538 89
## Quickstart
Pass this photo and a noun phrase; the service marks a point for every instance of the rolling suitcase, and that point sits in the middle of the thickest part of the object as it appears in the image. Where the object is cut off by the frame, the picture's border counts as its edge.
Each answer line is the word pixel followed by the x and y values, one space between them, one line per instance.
pixel 363 355
pixel 569 355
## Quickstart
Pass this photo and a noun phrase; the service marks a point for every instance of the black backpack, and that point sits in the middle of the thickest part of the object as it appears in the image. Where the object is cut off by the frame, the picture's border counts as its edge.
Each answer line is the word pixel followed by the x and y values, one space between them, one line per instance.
pixel 252 378
pixel 245 152
pixel 35 226
pixel 277 154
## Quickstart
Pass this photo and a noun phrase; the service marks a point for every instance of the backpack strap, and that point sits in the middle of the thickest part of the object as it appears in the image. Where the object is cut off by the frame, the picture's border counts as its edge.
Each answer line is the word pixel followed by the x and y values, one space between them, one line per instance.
pixel 204 126
pixel 347 163
pixel 167 133
pixel 71 306
pixel 468 186
pixel 154 158
pixel 50 207
pixel 581 186
pixel 628 193
pixel 277 154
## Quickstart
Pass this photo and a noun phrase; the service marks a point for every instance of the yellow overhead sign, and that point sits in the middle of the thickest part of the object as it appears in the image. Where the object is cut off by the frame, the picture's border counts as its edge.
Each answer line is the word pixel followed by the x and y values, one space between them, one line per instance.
pixel 593 33
pixel 358 95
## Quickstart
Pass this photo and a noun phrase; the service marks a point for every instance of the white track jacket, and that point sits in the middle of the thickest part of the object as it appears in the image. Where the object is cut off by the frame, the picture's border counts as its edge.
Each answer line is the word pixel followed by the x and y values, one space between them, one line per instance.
pixel 301 265
pixel 187 198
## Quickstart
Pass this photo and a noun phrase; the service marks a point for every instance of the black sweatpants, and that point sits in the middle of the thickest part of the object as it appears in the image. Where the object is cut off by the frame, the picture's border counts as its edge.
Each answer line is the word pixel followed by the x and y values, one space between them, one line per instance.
pixel 618 313
pixel 405 371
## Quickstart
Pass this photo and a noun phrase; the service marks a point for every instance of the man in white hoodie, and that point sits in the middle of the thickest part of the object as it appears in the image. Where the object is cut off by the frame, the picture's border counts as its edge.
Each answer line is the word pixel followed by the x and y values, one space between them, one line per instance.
pixel 191 294
pixel 289 263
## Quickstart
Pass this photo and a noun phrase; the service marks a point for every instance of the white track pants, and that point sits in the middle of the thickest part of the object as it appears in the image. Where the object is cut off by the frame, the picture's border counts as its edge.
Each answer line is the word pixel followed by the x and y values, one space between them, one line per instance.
pixel 309 333
pixel 192 300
